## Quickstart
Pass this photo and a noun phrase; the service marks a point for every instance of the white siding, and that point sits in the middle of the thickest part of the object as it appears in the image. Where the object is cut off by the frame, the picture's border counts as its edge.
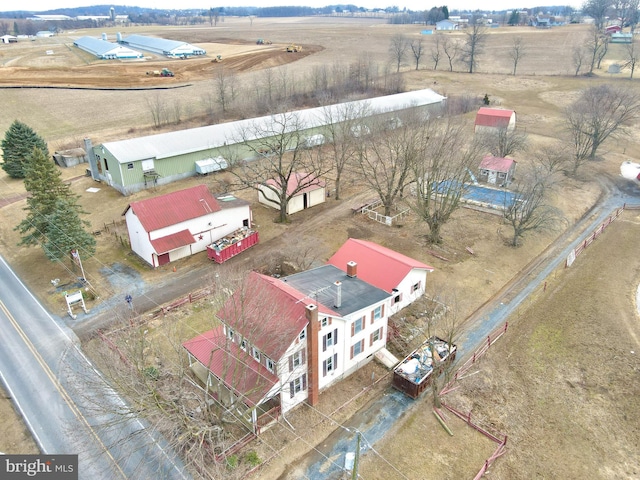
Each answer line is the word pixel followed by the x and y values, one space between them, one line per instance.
pixel 405 289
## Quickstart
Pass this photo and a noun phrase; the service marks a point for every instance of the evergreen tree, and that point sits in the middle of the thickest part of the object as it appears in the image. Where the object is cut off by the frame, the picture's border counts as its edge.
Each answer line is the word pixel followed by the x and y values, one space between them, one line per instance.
pixel 18 143
pixel 67 232
pixel 514 19
pixel 45 187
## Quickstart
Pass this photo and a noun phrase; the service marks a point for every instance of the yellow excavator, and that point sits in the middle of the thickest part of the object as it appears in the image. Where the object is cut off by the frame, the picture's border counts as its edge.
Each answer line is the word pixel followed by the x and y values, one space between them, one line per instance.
pixel 294 48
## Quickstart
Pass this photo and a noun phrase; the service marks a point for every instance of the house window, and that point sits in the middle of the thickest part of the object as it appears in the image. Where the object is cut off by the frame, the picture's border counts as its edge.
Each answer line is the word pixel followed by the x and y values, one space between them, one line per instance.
pixel 356 348
pixel 296 359
pixel 129 166
pixel 357 326
pixel 396 299
pixel 270 366
pixel 415 287
pixel 324 322
pixel 230 334
pixel 303 334
pixel 330 339
pixel 243 344
pixel 375 336
pixel 377 313
pixel 256 353
pixel 298 385
pixel 330 364
pixel 484 172
pixel 501 175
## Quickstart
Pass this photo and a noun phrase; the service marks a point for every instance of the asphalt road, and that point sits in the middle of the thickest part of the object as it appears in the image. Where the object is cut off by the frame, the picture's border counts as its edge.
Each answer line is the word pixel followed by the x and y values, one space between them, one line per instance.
pixel 64 400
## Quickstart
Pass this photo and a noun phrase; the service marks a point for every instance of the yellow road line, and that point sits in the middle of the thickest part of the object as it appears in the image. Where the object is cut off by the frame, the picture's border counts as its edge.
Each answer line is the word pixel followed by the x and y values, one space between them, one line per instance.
pixel 57 385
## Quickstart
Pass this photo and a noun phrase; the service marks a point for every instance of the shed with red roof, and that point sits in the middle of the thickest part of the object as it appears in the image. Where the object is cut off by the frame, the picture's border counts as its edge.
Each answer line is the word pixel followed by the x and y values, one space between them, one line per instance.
pixel 304 189
pixel 497 170
pixel 490 119
pixel 168 227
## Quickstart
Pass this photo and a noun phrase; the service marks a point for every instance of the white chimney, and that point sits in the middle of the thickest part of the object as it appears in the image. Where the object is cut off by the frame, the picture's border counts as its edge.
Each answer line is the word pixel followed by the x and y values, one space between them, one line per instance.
pixel 338 302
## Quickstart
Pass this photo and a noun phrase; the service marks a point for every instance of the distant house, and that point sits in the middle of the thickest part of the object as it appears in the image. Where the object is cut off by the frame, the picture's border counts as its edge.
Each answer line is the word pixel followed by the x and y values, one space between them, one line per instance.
pixel 621 37
pixel 9 39
pixel 490 119
pixel 284 340
pixel 446 25
pixel 496 170
pixel 612 29
pixel 169 227
pixel 313 192
pixel 542 22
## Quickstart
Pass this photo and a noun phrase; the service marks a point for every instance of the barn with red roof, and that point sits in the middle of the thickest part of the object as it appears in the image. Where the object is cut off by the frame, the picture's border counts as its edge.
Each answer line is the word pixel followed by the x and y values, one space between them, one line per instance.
pixel 492 119
pixel 304 189
pixel 168 227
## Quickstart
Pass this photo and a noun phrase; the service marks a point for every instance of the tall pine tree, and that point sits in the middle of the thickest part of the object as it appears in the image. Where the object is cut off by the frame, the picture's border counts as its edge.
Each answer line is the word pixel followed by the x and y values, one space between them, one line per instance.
pixel 45 187
pixel 66 233
pixel 18 143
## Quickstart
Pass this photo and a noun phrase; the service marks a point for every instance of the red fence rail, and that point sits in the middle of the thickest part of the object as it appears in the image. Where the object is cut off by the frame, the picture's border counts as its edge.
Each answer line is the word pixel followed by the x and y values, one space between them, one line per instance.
pixel 598 231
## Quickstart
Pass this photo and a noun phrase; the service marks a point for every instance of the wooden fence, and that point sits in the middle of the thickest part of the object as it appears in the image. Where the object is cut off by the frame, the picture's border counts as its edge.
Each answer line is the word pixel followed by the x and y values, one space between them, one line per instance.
pixel 596 233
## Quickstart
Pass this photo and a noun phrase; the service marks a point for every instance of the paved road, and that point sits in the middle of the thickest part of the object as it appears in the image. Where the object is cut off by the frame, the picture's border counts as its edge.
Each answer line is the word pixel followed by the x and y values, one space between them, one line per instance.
pixel 56 389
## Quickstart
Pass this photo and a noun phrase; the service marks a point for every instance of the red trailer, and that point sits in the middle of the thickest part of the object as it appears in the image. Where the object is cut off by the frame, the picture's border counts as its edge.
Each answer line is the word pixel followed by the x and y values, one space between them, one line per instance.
pixel 222 250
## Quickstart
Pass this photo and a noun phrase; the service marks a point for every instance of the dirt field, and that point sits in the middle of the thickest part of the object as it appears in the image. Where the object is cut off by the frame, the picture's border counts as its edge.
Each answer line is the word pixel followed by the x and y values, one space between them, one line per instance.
pixel 513 392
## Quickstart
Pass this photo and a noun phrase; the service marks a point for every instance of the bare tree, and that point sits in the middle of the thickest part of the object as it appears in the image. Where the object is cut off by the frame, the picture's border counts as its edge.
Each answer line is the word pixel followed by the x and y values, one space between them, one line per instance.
pixel 601 112
pixel 632 57
pixel 578 55
pixel 158 110
pixel 386 157
pixel 436 52
pixel 550 160
pixel 527 209
pixel 517 52
pixel 503 142
pixel 341 122
pixel 441 172
pixel 597 9
pixel 451 48
pixel 474 43
pixel 281 165
pixel 597 47
pixel 626 11
pixel 225 88
pixel 398 50
pixel 417 48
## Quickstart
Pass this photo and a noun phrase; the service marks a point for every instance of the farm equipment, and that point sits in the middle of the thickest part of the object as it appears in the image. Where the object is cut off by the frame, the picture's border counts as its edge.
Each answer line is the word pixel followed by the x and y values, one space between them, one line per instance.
pixel 165 72
pixel 217 59
pixel 294 48
pixel 262 41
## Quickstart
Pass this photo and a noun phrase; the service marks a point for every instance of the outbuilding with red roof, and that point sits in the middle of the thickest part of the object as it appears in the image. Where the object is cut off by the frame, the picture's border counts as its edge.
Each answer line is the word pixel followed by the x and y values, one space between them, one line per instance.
pixel 497 170
pixel 492 119
pixel 168 227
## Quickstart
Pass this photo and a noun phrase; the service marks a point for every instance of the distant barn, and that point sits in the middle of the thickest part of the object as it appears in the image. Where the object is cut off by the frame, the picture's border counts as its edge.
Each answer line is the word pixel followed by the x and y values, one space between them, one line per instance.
pixel 162 46
pixel 105 50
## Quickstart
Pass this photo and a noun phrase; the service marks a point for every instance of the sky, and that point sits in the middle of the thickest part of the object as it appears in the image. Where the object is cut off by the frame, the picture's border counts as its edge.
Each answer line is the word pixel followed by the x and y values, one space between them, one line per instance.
pixel 40 5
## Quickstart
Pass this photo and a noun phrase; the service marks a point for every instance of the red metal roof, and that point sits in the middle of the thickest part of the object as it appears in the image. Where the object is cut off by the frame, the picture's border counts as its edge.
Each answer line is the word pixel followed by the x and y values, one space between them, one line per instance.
pixel 173 208
pixel 296 178
pixel 493 117
pixel 497 164
pixel 239 371
pixel 269 312
pixel 377 265
pixel 171 242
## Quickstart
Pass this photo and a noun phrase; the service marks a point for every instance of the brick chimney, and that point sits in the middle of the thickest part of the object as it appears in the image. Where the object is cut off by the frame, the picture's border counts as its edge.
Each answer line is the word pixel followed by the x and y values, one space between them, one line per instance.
pixel 313 342
pixel 352 269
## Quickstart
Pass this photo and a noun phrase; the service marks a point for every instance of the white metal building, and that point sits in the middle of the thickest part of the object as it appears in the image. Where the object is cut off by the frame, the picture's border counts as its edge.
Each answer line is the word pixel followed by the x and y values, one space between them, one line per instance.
pixel 162 46
pixel 105 50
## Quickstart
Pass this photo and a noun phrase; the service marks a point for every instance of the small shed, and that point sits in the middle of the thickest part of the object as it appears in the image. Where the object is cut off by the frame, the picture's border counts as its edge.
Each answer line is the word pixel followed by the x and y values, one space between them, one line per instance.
pixel 496 170
pixel 612 29
pixel 312 193
pixel 9 39
pixel 489 119
pixel 71 157
pixel 446 25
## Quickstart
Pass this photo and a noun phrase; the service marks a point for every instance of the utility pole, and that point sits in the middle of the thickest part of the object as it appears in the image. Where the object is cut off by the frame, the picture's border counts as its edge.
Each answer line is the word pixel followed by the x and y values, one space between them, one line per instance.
pixel 76 256
pixel 354 473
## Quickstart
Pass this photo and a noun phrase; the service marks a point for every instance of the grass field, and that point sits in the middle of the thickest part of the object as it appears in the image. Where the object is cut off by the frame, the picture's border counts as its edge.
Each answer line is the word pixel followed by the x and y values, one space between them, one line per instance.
pixel 545 84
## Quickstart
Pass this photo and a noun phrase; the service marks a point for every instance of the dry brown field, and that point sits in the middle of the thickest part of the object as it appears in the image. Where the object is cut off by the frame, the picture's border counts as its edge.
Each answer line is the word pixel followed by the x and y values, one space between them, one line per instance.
pixel 544 384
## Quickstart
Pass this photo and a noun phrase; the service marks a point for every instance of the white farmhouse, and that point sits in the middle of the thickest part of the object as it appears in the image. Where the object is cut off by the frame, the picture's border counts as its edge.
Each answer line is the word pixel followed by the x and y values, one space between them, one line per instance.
pixel 169 227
